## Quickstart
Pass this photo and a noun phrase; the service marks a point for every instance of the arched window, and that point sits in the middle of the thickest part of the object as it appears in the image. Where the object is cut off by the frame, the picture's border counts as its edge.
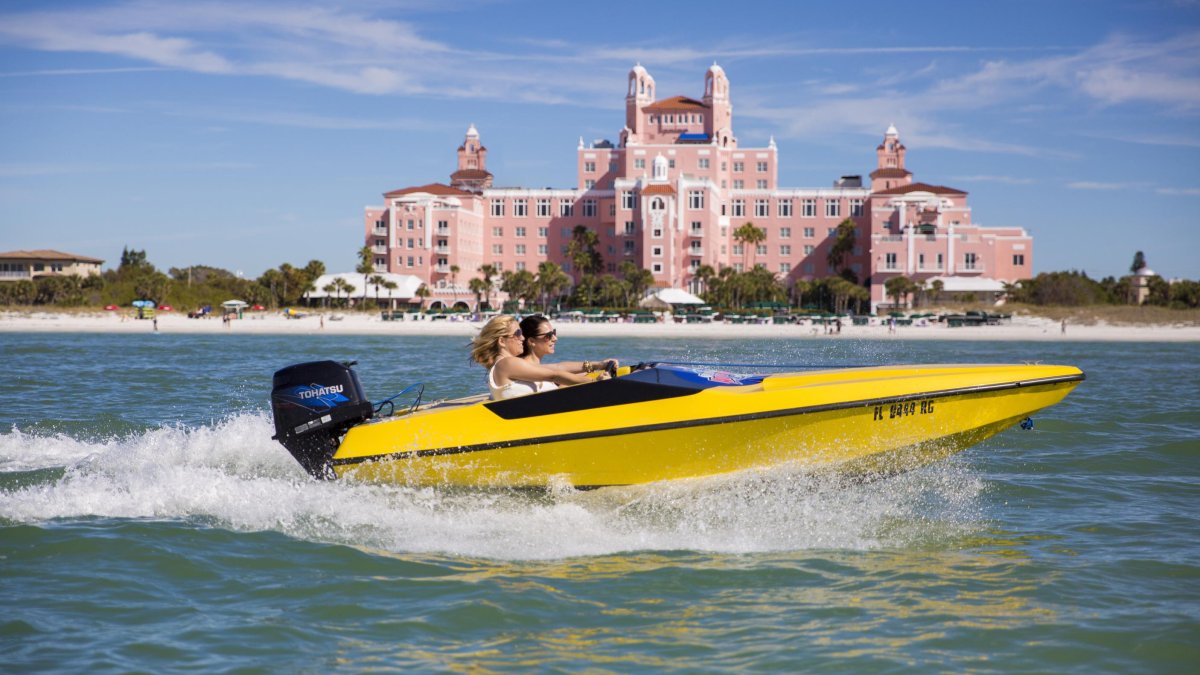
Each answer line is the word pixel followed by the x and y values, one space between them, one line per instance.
pixel 657 204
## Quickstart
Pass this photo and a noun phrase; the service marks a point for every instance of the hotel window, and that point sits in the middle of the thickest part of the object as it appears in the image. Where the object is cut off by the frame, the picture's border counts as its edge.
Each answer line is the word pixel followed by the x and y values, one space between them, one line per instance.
pixel 410 223
pixel 697 228
pixel 760 249
pixel 889 261
pixel 785 233
pixel 543 232
pixel 695 199
pixel 496 232
pixel 810 232
pixel 409 260
pixel 520 265
pixel 738 167
pixel 941 262
pixel 497 209
pixel 656 251
pixel 589 208
pixel 703 163
pixel 809 249
pixel 589 184
pixel 762 208
pixel 520 249
pixel 785 268
pixel 656 268
pixel 831 231
pixel 785 249
pixel 497 249
pixel 520 208
pixel 627 200
pixel 969 261
pixel 639 163
pixel 612 166
pixel 520 231
pixel 542 249
pixel 761 183
pixel 612 208
pixel 762 167
pixel 738 249
pixel 670 164
pixel 566 234
pixel 589 167
pixel 920 261
pixel 739 208
pixel 739 267
pixel 630 228
pixel 1019 259
pixel 543 208
pixel 656 233
pixel 739 184
pixel 785 208
pixel 808 208
pixel 856 208
pixel 833 208
pixel 566 208
pixel 629 247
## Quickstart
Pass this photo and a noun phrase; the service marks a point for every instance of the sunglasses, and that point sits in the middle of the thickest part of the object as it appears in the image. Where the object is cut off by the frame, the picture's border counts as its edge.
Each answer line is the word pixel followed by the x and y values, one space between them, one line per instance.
pixel 515 335
pixel 551 334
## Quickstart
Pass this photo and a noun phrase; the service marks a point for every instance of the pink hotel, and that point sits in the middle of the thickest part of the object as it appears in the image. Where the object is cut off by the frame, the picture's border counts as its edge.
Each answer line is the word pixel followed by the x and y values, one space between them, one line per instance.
pixel 669 195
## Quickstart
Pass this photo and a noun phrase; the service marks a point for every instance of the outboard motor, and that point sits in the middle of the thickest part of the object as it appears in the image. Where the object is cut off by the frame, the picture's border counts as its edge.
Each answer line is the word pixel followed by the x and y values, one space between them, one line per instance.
pixel 314 405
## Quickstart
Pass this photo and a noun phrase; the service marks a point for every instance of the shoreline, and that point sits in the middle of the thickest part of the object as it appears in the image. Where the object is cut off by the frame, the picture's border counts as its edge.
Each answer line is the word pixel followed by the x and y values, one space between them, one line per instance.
pixel 1021 328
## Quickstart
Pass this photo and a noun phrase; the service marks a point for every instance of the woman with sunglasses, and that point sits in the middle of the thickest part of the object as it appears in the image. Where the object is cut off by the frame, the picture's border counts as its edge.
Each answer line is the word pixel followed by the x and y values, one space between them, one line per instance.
pixel 499 347
pixel 540 340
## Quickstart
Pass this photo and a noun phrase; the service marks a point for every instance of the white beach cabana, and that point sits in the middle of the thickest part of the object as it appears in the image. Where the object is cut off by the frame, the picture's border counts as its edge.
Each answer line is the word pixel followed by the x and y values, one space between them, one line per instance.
pixel 665 298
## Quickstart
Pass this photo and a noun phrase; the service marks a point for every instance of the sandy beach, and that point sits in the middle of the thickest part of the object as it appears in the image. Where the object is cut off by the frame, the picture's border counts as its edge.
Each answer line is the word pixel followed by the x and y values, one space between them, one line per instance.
pixel 1020 328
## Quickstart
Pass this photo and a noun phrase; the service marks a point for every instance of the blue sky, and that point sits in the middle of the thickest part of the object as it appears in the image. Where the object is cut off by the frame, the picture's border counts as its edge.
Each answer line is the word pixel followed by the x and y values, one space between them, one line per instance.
pixel 245 135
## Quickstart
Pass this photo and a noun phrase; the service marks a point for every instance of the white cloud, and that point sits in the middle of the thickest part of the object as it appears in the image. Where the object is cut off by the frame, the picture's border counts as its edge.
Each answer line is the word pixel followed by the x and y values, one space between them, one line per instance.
pixel 1098 185
pixel 1185 192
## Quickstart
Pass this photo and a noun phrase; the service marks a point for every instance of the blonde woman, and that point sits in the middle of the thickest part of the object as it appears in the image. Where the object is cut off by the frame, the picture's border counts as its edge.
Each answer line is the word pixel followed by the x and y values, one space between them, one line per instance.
pixel 499 347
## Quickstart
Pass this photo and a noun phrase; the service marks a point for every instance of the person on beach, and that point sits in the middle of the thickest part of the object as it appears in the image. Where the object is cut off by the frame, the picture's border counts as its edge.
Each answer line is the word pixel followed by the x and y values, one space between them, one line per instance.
pixel 499 347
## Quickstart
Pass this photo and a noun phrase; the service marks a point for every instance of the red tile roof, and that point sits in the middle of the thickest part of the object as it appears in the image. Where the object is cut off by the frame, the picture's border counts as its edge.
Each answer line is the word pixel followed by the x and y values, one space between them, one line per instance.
pixel 676 103
pixel 433 189
pixel 471 173
pixel 661 189
pixel 922 187
pixel 890 173
pixel 47 254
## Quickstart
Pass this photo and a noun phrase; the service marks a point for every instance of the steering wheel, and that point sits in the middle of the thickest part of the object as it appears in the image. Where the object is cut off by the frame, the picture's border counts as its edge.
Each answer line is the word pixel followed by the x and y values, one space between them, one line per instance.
pixel 610 367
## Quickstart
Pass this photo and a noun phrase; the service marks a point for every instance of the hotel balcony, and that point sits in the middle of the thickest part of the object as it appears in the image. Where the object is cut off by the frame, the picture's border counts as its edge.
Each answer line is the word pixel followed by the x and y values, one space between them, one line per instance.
pixel 381 231
pixel 15 274
pixel 444 231
pixel 379 249
pixel 442 250
pixel 441 269
pixel 964 268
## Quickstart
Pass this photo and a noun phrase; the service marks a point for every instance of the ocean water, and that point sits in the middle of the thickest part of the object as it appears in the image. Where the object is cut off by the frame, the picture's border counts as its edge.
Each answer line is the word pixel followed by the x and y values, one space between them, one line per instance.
pixel 148 523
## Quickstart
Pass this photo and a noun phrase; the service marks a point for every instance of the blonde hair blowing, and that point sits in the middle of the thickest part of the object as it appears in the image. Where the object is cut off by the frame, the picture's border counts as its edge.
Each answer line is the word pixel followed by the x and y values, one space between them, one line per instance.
pixel 485 348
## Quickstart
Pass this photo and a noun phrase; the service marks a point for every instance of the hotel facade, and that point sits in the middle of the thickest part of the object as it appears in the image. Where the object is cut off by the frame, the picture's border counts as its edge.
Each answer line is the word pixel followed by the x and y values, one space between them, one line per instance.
pixel 669 195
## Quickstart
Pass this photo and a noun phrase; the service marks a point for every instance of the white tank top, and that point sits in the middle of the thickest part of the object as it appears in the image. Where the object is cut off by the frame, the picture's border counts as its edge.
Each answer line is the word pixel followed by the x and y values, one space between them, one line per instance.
pixel 514 388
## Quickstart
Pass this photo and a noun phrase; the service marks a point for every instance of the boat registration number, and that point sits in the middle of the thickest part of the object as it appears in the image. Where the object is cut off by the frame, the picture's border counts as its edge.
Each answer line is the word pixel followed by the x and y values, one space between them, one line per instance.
pixel 905 409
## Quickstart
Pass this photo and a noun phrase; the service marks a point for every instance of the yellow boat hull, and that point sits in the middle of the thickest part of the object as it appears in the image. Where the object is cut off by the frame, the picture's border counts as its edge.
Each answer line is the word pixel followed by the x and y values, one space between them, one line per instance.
pixel 857 421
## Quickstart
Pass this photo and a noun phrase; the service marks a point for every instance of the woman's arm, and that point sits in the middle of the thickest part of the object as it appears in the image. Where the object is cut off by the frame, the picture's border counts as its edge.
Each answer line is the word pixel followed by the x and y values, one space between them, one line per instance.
pixel 520 369
pixel 582 367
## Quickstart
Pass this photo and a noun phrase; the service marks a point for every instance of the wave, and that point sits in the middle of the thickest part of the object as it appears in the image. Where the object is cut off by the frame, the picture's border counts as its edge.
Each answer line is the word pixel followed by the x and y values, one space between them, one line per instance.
pixel 231 475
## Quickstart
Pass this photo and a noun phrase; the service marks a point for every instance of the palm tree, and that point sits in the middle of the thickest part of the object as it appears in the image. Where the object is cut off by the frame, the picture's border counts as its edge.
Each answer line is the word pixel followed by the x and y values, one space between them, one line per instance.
pixel 377 281
pixel 366 265
pixel 330 288
pixel 551 282
pixel 489 272
pixel 843 245
pixel 704 274
pixel 423 293
pixel 454 269
pixel 748 235
pixel 637 280
pixel 476 286
pixel 390 286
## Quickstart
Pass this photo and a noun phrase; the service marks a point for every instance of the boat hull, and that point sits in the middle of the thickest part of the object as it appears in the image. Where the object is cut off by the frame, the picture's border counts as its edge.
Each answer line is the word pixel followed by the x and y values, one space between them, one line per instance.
pixel 865 421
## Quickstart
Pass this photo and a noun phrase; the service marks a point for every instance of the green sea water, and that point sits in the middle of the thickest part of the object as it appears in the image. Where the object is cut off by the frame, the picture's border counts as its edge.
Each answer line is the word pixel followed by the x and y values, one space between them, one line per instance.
pixel 148 523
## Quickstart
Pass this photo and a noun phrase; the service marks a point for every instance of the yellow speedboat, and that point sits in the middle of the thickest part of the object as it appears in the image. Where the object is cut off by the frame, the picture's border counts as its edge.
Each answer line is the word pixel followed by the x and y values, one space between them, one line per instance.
pixel 661 423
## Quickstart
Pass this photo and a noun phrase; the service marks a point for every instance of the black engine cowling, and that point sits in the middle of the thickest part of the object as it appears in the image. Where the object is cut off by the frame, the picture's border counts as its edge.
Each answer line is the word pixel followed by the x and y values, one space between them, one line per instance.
pixel 314 404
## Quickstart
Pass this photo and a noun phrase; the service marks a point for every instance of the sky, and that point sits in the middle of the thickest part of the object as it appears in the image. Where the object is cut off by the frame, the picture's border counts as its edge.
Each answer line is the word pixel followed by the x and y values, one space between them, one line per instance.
pixel 246 135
